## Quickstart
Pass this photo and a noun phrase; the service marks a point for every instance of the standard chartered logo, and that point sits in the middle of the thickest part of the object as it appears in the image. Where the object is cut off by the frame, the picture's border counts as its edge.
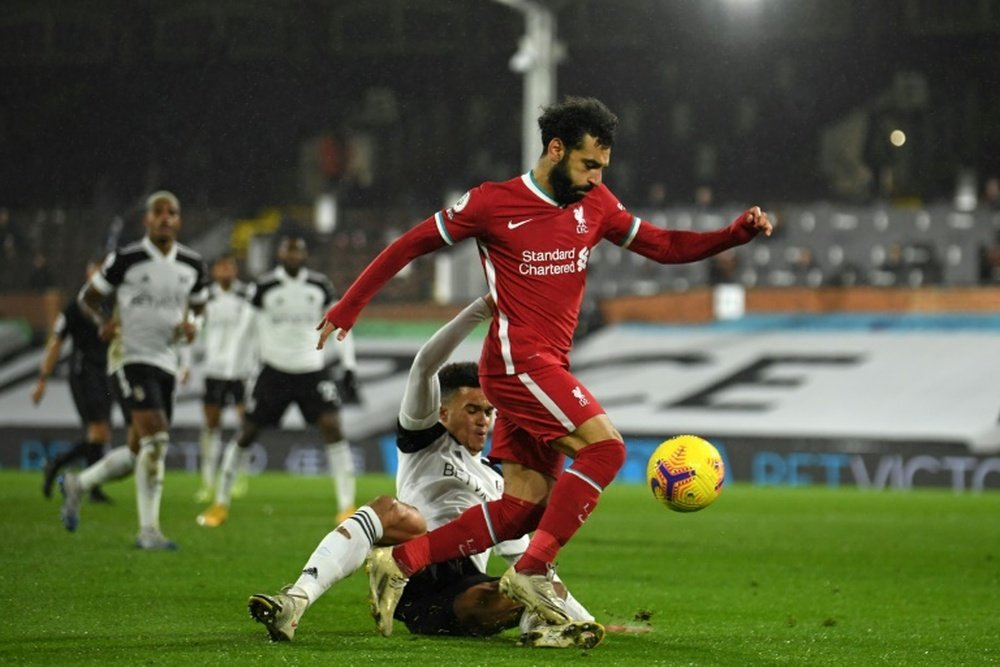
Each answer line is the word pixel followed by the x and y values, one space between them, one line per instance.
pixel 553 262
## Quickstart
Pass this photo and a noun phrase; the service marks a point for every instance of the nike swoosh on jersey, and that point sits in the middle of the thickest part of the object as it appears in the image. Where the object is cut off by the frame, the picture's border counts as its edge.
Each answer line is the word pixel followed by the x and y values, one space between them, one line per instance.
pixel 514 225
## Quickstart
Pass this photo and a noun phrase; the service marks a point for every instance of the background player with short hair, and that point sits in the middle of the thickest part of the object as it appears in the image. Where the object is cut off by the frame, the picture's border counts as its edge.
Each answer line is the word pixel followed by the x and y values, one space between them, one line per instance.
pixel 535 233
pixel 157 283
pixel 229 360
pixel 293 371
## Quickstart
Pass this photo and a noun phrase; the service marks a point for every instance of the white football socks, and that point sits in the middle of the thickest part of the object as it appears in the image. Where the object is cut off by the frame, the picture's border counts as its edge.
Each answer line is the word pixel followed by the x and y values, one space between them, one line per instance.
pixel 341 464
pixel 340 553
pixel 233 459
pixel 116 464
pixel 149 472
pixel 210 445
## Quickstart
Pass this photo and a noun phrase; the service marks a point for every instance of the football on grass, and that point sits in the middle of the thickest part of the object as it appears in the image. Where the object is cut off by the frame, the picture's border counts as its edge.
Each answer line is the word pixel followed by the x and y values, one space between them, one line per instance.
pixel 686 473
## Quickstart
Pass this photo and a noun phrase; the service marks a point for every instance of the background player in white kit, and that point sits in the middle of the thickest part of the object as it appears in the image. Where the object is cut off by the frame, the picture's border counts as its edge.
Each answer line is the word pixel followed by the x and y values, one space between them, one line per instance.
pixel 444 421
pixel 230 355
pixel 293 371
pixel 118 463
pixel 157 283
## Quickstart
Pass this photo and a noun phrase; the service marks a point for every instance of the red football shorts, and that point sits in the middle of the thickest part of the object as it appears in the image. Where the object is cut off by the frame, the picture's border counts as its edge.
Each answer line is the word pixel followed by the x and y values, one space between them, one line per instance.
pixel 533 409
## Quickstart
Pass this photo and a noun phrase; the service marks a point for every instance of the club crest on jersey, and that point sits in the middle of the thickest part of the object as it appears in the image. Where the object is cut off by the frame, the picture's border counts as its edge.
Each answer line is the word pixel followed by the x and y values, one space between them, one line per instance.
pixel 578 395
pixel 581 222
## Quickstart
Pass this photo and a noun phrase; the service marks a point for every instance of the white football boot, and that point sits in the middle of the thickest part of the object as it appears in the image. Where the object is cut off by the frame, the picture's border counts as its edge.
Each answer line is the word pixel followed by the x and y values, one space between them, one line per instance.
pixel 279 613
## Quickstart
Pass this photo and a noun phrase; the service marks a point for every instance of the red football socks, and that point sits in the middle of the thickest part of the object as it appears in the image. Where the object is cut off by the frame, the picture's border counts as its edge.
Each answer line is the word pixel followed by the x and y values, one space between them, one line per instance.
pixel 472 532
pixel 571 501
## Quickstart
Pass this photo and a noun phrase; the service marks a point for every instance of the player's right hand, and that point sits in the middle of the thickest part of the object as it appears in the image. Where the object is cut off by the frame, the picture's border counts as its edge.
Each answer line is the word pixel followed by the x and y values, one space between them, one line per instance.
pixel 325 328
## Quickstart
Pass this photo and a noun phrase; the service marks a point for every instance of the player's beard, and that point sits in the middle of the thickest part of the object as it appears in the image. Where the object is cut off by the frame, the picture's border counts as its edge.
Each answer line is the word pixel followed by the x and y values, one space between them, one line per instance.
pixel 562 186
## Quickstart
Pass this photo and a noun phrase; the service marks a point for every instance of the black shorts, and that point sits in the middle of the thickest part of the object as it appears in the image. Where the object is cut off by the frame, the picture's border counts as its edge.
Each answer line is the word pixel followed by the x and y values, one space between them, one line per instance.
pixel 427 605
pixel 224 392
pixel 146 387
pixel 273 391
pixel 91 393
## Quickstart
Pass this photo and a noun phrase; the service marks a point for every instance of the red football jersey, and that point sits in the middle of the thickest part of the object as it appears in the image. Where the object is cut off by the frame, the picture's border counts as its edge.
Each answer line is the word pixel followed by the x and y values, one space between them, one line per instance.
pixel 534 254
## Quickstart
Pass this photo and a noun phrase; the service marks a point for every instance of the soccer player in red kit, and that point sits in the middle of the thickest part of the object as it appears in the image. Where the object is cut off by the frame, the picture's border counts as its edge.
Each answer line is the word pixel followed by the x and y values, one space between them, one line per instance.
pixel 535 233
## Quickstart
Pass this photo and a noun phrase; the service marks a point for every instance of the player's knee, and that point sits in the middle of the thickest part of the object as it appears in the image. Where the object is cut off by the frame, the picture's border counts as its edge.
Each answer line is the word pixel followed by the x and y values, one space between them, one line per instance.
pixel 601 461
pixel 392 511
pixel 513 517
pixel 152 450
pixel 400 522
pixel 156 444
pixel 382 505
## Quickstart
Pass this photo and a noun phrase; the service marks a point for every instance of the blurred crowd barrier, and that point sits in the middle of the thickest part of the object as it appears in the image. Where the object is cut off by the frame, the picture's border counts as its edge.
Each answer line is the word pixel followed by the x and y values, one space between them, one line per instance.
pixel 819 245
pixel 816 251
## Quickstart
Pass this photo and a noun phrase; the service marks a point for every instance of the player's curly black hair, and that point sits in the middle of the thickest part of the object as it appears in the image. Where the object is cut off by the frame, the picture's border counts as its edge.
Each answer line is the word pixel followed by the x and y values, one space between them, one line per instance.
pixel 457 375
pixel 575 117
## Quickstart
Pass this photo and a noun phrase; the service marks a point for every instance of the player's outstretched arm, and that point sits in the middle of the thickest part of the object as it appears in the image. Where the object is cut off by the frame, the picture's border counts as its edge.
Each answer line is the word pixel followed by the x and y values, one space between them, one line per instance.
pixel 422 396
pixel 672 246
pixel 419 240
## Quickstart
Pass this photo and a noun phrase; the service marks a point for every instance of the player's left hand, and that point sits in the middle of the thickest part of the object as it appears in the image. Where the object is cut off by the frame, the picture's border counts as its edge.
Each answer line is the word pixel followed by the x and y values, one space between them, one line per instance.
pixel 756 219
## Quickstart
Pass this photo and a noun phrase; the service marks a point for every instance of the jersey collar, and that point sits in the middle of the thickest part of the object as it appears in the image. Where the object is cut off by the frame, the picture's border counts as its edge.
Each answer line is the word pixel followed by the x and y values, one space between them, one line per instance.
pixel 285 278
pixel 530 183
pixel 155 252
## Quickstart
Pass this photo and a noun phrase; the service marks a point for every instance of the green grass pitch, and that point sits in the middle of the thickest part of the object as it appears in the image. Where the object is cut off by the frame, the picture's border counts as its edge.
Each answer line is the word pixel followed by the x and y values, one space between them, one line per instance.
pixel 766 576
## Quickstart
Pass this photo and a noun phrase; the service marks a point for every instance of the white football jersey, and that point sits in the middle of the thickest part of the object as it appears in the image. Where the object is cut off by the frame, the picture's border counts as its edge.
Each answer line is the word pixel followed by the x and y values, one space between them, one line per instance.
pixel 287 309
pixel 229 350
pixel 153 292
